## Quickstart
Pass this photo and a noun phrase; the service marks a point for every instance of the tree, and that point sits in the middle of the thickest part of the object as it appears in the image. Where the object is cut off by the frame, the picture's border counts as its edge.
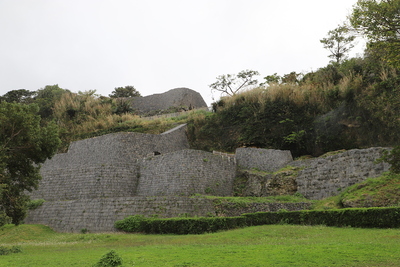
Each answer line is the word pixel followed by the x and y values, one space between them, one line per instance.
pixel 24 145
pixel 18 96
pixel 46 98
pixel 231 84
pixel 338 42
pixel 127 91
pixel 292 78
pixel 272 79
pixel 379 22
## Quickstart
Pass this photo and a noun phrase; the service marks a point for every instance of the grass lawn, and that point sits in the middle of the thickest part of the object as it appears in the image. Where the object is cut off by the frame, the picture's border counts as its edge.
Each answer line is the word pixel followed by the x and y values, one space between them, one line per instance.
pixel 271 245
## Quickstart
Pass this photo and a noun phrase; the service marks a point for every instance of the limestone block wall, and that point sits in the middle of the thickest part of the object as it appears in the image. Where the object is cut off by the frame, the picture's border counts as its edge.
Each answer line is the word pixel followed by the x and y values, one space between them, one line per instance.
pixel 83 182
pixel 100 214
pixel 325 177
pixel 186 172
pixel 104 166
pixel 116 148
pixel 263 159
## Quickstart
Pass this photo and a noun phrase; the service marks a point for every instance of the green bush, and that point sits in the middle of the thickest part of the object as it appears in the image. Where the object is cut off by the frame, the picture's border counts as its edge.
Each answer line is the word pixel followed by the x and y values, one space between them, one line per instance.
pixel 364 217
pixel 108 260
pixel 180 226
pixel 393 158
pixel 13 249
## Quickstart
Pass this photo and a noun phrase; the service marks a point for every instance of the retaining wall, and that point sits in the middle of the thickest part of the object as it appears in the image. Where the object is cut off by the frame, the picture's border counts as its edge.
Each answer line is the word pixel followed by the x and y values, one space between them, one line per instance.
pixel 185 173
pixel 100 214
pixel 262 159
pixel 325 177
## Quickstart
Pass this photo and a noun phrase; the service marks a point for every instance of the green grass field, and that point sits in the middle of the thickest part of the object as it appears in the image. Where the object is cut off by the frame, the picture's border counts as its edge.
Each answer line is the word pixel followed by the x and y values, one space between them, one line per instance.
pixel 272 245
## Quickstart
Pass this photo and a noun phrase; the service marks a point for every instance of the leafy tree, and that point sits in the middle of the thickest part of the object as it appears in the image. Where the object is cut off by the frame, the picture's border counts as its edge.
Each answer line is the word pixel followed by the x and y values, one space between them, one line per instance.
pixel 18 96
pixel 292 77
pixel 46 98
pixel 24 144
pixel 270 79
pixel 231 84
pixel 127 91
pixel 379 22
pixel 338 42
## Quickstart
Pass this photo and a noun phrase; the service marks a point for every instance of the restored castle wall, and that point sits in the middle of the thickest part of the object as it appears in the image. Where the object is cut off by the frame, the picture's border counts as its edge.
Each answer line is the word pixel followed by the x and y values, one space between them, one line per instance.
pixel 100 214
pixel 269 160
pixel 325 177
pixel 186 172
pixel 82 182
pixel 103 166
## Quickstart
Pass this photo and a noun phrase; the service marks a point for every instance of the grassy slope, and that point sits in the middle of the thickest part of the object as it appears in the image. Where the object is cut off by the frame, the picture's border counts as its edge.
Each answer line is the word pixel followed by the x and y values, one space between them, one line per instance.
pixel 274 245
pixel 383 191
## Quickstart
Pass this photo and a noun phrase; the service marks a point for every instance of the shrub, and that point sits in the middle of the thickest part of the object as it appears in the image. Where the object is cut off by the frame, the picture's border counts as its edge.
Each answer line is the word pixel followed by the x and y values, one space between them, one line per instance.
pixel 13 249
pixel 108 260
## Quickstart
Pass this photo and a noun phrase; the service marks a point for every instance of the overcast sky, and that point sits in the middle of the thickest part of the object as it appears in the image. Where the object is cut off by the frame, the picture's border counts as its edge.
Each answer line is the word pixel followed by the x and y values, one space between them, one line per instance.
pixel 158 45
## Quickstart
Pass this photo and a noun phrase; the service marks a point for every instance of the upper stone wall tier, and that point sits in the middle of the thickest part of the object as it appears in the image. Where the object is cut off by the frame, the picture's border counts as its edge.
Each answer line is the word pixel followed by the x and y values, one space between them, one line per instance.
pixel 179 97
pixel 325 177
pixel 269 160
pixel 186 172
pixel 117 148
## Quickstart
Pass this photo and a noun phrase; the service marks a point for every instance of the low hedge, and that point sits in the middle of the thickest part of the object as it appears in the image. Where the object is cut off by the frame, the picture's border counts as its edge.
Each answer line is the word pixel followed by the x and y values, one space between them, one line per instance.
pixel 179 226
pixel 362 217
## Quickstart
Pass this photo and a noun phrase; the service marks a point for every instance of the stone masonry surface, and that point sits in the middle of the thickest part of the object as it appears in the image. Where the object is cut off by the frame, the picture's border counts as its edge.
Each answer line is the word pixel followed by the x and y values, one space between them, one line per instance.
pixel 325 177
pixel 185 173
pixel 104 179
pixel 263 159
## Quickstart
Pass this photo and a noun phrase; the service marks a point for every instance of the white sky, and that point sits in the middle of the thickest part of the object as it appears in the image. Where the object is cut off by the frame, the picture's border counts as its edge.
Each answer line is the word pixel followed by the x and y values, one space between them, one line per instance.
pixel 158 45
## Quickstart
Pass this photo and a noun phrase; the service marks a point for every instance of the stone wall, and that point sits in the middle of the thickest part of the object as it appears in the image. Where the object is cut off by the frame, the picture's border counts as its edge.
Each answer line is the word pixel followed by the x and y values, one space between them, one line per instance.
pixel 100 214
pixel 185 173
pixel 314 178
pixel 104 166
pixel 325 177
pixel 263 159
pixel 104 179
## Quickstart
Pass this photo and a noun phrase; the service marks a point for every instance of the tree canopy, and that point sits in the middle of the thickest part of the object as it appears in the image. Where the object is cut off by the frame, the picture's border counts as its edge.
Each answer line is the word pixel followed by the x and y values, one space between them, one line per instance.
pixel 338 42
pixel 379 22
pixel 24 145
pixel 18 96
pixel 231 84
pixel 127 91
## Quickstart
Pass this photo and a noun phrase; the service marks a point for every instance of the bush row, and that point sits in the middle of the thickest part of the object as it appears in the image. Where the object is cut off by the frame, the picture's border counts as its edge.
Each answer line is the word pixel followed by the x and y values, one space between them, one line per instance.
pixel 363 217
